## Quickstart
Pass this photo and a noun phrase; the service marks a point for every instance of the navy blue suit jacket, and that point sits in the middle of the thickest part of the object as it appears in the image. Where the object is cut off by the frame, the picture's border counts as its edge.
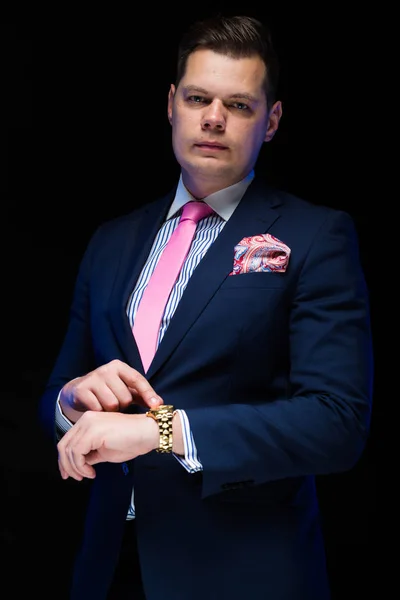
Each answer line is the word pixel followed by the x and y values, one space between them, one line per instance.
pixel 275 373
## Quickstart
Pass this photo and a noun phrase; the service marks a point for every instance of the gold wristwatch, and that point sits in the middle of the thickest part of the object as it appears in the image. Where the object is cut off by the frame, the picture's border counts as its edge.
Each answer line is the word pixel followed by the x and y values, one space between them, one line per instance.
pixel 163 416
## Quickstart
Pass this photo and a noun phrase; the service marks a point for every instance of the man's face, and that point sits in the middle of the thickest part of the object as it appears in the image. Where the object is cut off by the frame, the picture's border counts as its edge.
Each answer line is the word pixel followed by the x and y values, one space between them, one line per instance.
pixel 219 119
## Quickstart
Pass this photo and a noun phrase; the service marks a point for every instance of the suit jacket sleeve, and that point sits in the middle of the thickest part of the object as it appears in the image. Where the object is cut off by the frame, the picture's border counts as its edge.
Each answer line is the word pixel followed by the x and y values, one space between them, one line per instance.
pixel 318 421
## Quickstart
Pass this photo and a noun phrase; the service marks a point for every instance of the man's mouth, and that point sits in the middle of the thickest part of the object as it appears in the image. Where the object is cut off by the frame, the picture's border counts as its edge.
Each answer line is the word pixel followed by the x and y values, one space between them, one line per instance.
pixel 211 146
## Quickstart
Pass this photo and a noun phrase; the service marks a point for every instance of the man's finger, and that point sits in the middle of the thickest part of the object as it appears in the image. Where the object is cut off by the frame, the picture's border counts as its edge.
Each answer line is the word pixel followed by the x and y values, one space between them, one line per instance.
pixel 134 380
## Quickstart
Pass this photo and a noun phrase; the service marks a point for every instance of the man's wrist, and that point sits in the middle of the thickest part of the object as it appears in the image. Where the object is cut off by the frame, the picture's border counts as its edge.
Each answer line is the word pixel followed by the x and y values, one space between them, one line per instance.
pixel 152 433
pixel 69 413
pixel 177 435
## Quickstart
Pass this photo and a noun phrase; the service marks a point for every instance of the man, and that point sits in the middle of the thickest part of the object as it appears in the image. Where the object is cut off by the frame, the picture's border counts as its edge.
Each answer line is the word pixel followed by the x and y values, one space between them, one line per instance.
pixel 259 376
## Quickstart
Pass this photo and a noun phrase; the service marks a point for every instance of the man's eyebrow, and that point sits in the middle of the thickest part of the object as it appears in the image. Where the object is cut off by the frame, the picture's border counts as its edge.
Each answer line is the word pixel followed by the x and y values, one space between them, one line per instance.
pixel 192 89
pixel 243 96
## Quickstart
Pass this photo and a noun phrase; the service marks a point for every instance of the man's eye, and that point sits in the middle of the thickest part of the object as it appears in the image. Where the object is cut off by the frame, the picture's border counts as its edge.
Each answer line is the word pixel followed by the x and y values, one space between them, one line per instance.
pixel 240 106
pixel 196 99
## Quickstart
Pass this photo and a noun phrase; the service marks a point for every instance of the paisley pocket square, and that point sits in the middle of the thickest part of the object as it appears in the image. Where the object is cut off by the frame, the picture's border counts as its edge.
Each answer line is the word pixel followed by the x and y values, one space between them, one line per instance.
pixel 260 254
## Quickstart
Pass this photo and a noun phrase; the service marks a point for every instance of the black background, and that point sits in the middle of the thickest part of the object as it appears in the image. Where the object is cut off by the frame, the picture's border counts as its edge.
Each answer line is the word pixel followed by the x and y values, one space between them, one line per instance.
pixel 85 134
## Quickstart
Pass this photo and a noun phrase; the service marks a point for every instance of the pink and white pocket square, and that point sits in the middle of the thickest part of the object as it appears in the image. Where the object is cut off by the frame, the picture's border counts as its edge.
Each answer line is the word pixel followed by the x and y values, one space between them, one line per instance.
pixel 260 254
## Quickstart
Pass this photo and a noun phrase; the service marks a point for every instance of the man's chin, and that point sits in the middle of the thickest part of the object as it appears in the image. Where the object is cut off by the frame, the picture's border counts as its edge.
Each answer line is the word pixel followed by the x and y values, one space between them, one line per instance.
pixel 203 180
pixel 209 167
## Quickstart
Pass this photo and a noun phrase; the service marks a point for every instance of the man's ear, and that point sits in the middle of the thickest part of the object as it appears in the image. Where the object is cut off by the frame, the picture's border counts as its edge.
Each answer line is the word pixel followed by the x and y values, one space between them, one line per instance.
pixel 274 117
pixel 171 95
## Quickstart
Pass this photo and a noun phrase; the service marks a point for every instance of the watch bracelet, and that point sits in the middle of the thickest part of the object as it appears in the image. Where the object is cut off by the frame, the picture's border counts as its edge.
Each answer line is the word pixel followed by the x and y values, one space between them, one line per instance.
pixel 163 416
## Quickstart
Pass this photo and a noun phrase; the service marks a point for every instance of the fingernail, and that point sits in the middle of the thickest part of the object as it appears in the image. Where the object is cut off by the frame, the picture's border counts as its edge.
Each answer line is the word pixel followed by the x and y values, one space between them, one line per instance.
pixel 153 401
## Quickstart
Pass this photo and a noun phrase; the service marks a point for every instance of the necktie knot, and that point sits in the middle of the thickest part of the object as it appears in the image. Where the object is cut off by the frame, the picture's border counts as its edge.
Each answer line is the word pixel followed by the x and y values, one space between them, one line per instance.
pixel 194 211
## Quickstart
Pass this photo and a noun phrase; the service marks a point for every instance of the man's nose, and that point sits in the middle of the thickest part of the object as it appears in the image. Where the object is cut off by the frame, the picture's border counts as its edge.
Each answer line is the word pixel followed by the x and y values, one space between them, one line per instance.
pixel 214 116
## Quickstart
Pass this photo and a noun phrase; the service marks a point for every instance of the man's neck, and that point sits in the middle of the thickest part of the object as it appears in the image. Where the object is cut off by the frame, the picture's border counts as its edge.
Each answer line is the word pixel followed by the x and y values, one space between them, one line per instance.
pixel 200 188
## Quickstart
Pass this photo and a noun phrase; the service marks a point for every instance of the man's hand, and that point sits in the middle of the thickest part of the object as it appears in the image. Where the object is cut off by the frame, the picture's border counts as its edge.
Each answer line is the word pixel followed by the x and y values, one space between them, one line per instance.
pixel 109 388
pixel 104 437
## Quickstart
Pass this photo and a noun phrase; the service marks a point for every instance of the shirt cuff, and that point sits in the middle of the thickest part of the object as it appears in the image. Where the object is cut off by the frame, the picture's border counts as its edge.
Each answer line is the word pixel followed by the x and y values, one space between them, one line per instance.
pixel 190 461
pixel 62 423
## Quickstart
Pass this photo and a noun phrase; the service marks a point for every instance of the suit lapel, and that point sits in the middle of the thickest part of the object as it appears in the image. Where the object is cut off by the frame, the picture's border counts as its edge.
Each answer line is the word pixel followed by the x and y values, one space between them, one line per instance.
pixel 132 259
pixel 253 215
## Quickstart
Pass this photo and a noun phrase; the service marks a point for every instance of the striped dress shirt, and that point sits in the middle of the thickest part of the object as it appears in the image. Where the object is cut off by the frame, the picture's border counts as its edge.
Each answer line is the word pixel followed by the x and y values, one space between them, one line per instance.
pixel 223 203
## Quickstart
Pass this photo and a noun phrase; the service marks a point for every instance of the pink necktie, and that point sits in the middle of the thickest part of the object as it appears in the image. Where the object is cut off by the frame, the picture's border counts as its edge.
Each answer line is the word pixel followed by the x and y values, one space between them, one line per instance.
pixel 151 308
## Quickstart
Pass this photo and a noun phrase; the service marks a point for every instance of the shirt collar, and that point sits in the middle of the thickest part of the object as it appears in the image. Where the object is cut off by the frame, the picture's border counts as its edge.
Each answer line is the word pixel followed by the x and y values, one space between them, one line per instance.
pixel 222 202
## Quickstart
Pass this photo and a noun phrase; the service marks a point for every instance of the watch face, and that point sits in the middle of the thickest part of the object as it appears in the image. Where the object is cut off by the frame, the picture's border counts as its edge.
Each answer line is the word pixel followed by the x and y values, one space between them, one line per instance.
pixel 163 411
pixel 166 408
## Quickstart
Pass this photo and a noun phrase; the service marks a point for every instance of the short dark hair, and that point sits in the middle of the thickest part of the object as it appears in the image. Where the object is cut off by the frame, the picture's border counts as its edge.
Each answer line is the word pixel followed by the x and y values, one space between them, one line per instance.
pixel 236 36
